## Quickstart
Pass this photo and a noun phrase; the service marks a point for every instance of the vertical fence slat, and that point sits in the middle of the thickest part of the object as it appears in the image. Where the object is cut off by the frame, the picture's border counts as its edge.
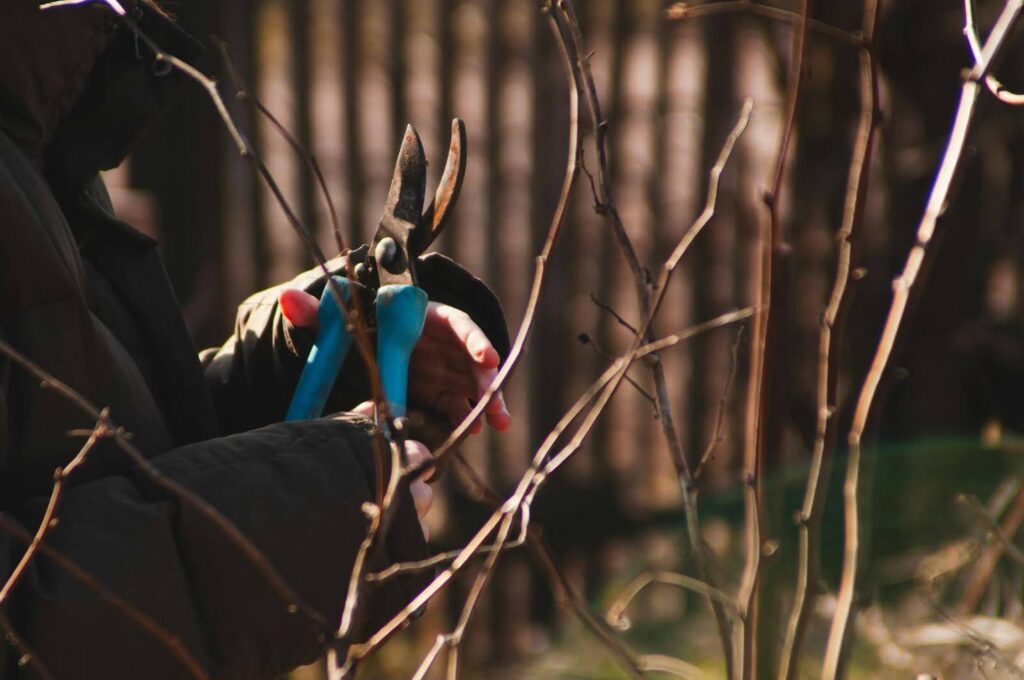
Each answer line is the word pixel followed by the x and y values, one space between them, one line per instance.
pixel 610 260
pixel 351 39
pixel 328 118
pixel 446 58
pixel 240 214
pixel 302 102
pixel 286 254
pixel 515 94
pixel 397 38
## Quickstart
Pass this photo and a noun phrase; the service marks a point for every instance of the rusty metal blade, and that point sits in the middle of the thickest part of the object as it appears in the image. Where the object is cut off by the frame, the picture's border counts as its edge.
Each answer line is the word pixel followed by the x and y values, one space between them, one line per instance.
pixel 436 216
pixel 409 184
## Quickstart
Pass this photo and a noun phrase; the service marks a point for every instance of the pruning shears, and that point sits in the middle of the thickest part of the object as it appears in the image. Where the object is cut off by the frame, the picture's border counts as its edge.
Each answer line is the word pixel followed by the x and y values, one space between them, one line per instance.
pixel 386 267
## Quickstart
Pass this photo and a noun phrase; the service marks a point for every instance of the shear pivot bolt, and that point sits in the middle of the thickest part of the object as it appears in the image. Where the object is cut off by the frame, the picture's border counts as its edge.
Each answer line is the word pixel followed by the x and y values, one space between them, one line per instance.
pixel 386 253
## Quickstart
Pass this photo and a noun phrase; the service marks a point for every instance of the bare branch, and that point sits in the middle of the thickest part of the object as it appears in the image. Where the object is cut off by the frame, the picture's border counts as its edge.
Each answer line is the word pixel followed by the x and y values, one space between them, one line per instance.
pixel 431 562
pixel 669 665
pixel 112 4
pixel 809 519
pixel 904 283
pixel 617 610
pixel 49 520
pixel 764 342
pixel 718 322
pixel 428 661
pixel 991 82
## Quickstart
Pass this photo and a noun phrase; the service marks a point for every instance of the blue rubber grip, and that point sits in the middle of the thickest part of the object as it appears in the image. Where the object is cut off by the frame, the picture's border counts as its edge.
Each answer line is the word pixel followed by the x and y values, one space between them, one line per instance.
pixel 401 312
pixel 324 362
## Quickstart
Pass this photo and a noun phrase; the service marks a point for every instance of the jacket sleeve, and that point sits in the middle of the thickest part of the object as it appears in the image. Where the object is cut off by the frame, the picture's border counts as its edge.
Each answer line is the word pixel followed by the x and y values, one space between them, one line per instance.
pixel 295 489
pixel 252 376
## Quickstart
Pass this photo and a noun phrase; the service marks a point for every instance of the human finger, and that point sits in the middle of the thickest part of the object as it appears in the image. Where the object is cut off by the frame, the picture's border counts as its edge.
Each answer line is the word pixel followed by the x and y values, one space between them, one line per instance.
pixel 498 416
pixel 416 454
pixel 299 308
pixel 366 408
pixel 467 332
pixel 496 411
pixel 422 497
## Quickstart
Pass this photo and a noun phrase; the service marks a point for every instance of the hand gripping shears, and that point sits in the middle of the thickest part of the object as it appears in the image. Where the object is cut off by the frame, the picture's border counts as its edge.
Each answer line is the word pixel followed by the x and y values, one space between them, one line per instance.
pixel 386 267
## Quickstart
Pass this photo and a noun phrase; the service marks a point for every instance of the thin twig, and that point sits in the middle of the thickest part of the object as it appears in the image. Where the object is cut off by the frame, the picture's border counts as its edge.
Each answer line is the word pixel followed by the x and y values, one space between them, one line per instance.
pixel 685 10
pixel 380 517
pixel 718 322
pixel 50 519
pixel 431 562
pixel 718 433
pixel 565 594
pixel 617 610
pixel 669 665
pixel 1000 91
pixel 981 576
pixel 982 646
pixel 431 657
pixel 809 517
pixel 307 156
pixel 902 286
pixel 607 307
pixel 292 600
pixel 587 339
pixel 137 616
pixel 979 511
pixel 764 341
pixel 27 658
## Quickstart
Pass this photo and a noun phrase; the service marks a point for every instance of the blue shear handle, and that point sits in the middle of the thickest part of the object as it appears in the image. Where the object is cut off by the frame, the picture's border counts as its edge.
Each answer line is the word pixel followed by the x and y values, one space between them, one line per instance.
pixel 401 312
pixel 325 359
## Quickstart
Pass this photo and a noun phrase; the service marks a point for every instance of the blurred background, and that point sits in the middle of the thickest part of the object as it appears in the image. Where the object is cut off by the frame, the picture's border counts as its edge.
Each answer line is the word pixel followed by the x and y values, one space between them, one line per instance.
pixel 346 77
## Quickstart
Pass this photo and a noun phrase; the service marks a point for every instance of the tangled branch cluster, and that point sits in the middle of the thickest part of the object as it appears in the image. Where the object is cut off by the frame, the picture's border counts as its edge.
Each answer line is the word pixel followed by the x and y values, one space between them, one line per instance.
pixel 509 524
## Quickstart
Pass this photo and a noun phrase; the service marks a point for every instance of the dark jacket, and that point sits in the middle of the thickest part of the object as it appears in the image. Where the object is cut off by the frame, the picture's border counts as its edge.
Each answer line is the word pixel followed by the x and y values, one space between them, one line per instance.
pixel 87 298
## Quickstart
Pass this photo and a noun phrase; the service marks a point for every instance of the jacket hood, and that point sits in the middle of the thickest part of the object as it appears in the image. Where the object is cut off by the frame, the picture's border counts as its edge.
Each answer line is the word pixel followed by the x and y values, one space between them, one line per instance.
pixel 77 89
pixel 45 60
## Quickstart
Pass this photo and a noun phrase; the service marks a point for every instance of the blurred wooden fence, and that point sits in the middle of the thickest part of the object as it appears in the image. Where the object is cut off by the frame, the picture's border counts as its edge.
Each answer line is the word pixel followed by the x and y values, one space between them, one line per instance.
pixel 346 76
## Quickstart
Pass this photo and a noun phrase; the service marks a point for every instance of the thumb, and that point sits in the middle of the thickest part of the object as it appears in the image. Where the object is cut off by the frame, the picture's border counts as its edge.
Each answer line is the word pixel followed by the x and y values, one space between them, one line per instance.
pixel 299 308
